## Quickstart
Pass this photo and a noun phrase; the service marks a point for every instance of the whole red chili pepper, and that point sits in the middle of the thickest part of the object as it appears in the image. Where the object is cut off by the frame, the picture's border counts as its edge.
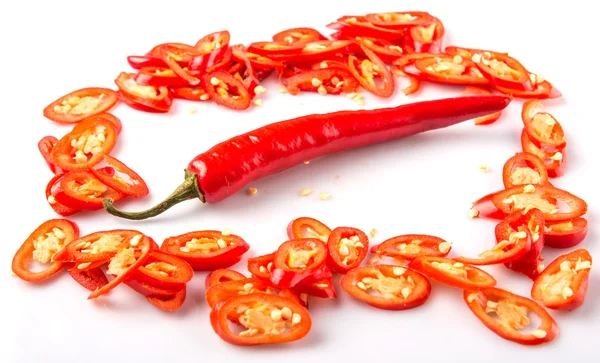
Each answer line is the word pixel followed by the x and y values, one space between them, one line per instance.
pixel 281 145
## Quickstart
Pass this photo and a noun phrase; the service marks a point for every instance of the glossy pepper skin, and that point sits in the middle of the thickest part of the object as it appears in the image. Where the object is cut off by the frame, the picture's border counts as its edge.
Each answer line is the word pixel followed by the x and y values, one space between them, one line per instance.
pixel 228 166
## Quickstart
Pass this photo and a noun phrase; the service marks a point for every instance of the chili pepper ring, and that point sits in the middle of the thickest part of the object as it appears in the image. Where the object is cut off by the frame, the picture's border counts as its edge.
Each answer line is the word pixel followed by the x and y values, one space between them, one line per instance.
pixel 278 146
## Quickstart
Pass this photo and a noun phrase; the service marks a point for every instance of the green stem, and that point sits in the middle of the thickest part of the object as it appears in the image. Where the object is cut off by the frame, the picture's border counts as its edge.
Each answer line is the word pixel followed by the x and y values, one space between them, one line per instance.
pixel 187 190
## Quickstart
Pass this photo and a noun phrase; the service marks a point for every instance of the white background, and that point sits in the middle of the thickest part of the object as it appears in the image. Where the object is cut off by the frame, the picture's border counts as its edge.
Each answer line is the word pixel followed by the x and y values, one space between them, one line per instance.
pixel 423 184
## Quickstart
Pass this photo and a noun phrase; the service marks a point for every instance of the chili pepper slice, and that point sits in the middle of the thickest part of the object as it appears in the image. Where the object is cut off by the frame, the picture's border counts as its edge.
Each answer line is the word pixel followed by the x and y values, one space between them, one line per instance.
pixel 384 49
pixel 515 247
pixel 159 77
pixel 448 69
pixel 125 263
pixel 83 191
pixel 222 275
pixel 563 284
pixel 42 244
pixel 210 50
pixel 428 38
pixel 141 61
pixel 248 78
pixel 542 128
pixel 347 248
pixel 226 90
pixel 468 53
pixel 387 287
pixel 504 71
pixel 45 146
pixel 228 289
pixel 565 234
pixel 145 289
pixel 181 52
pixel 555 161
pixel 360 26
pixel 98 247
pixel 91 279
pixel 113 119
pixel 261 266
pixel 170 60
pixel 297 260
pixel 52 189
pixel 275 49
pixel 512 315
pixel 262 62
pixel 144 98
pixel 410 246
pixel 164 270
pixel 268 319
pixel 190 93
pixel 120 178
pixel 524 168
pixel 85 145
pixel 298 36
pixel 168 303
pixel 366 70
pixel 400 20
pixel 543 197
pixel 324 81
pixel 452 273
pixel 80 104
pixel 485 120
pixel 206 250
pixel 318 50
pixel 543 90
pixel 321 288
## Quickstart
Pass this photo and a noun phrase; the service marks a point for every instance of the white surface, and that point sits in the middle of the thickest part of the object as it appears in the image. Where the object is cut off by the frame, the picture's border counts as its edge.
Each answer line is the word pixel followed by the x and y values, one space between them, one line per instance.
pixel 424 184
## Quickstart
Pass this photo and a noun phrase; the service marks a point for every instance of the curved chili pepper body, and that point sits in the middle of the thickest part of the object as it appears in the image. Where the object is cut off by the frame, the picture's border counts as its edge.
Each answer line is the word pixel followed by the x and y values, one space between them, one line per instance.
pixel 228 166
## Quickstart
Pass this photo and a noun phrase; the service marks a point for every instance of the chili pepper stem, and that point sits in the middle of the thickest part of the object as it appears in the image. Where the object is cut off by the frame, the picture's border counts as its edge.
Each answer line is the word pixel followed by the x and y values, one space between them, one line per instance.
pixel 186 191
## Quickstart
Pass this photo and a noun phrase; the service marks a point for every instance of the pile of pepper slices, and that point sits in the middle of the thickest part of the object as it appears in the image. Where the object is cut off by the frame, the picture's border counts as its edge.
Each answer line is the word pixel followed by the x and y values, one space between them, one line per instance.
pixel 271 306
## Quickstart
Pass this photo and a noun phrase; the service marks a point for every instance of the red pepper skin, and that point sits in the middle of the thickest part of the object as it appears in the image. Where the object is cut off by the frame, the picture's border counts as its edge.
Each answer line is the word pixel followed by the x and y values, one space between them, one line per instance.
pixel 168 303
pixel 52 189
pixel 45 145
pixel 306 227
pixel 90 279
pixel 335 260
pixel 266 261
pixel 523 160
pixel 221 275
pixel 565 234
pixel 276 147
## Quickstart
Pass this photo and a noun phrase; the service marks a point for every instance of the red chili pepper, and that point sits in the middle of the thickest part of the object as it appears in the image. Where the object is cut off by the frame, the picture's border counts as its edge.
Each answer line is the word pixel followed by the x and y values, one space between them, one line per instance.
pixel 452 273
pixel 148 290
pixel 543 90
pixel 92 279
pixel 321 288
pixel 366 70
pixel 299 261
pixel 347 248
pixel 226 90
pixel 249 77
pixel 444 69
pixel 324 81
pixel 359 26
pixel 190 93
pixel 165 271
pixel 512 311
pixel 410 246
pixel 221 275
pixel 128 182
pixel 45 146
pixel 468 53
pixel 210 50
pixel 83 191
pixel 318 50
pixel 85 145
pixel 41 246
pixel 262 62
pixel 524 168
pixel 505 251
pixel 542 128
pixel 279 148
pixel 555 162
pixel 504 71
pixel 427 38
pixel 168 303
pixel 297 36
pixel 386 50
pixel 261 266
pixel 275 49
pixel 206 250
pixel 228 289
pixel 81 104
pixel 256 316
pixel 563 284
pixel 485 120
pixel 565 234
pixel 143 98
pixel 52 189
pixel 141 61
pixel 400 20
pixel 159 77
pixel 387 287
pixel 306 227
pixel 113 119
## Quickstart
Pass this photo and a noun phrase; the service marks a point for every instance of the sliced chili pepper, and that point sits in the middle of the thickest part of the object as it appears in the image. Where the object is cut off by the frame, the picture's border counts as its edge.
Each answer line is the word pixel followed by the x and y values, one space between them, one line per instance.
pixel 506 250
pixel 387 287
pixel 565 234
pixel 542 128
pixel 81 104
pixel 384 49
pixel 414 85
pixel 168 303
pixel 555 162
pixel 159 77
pixel 400 20
pixel 324 81
pixel 98 247
pixel 347 248
pixel 297 260
pixel 222 275
pixel 91 279
pixel 428 38
pixel 190 93
pixel 543 90
pixel 127 182
pixel 318 50
pixel 410 246
pixel 512 315
pixel 211 50
pixel 170 60
pixel 275 49
pixel 125 263
pixel 366 70
pixel 52 189
pixel 296 36
pixel 468 53
pixel 261 314
pixel 321 288
pixel 500 204
pixel 164 270
pixel 144 98
pixel 206 250
pixel 85 145
pixel 228 289
pixel 262 62
pixel 45 146
pixel 563 284
pixel 524 168
pixel 226 90
pixel 113 119
pixel 261 266
pixel 249 78
pixel 83 191
pixel 504 71
pixel 147 290
pixel 452 273
pixel 449 70
pixel 359 26
pixel 141 61
pixel 42 244
pixel 485 120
